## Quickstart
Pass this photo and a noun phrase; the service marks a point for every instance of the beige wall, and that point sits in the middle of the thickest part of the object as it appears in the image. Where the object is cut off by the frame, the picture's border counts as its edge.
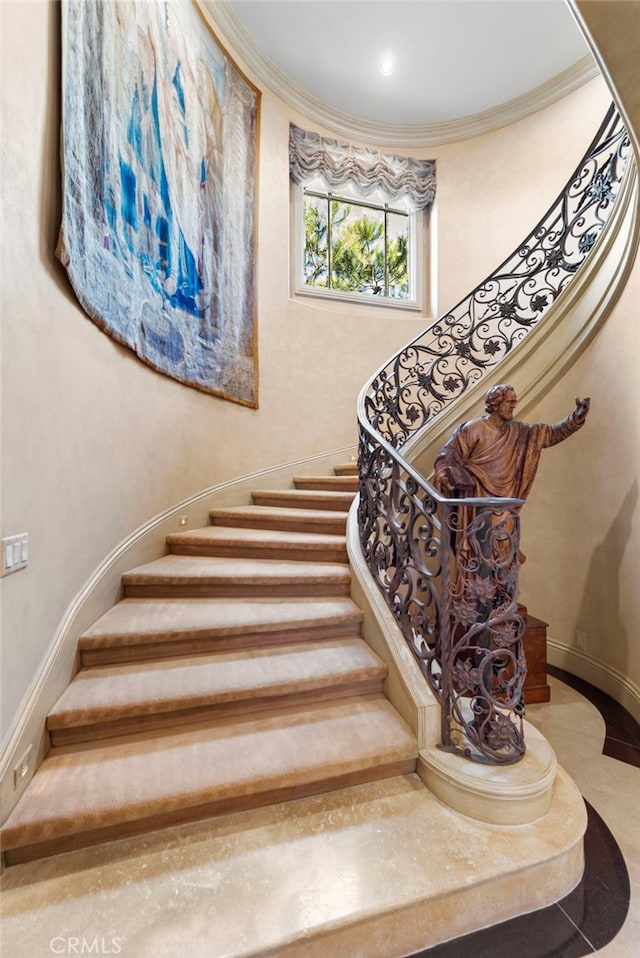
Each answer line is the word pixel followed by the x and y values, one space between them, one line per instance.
pixel 94 443
pixel 493 189
pixel 581 525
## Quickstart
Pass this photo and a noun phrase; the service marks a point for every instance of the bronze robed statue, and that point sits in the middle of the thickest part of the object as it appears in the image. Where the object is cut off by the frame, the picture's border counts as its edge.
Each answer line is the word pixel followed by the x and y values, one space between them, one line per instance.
pixel 496 455
pixel 481 657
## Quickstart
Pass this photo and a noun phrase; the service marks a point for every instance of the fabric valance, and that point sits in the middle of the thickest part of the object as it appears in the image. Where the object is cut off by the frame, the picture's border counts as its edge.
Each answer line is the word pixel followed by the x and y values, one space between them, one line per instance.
pixel 400 177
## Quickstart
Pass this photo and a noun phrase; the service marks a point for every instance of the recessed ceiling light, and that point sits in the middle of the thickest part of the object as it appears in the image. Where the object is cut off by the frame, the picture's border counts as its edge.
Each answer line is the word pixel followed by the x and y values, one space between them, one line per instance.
pixel 387 65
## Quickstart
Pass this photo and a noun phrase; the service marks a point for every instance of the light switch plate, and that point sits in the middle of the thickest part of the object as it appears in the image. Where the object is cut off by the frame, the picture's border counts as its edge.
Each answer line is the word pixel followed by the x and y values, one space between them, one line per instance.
pixel 15 553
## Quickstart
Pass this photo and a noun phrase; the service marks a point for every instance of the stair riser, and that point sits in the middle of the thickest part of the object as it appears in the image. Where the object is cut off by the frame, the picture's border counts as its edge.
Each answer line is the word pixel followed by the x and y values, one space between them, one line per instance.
pixel 260 551
pixel 180 815
pixel 337 484
pixel 86 734
pixel 330 526
pixel 158 647
pixel 235 590
pixel 339 502
pixel 346 469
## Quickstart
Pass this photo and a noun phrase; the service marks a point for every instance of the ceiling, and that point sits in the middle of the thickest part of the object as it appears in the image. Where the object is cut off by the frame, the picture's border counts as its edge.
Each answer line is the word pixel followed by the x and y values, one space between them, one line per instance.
pixel 452 58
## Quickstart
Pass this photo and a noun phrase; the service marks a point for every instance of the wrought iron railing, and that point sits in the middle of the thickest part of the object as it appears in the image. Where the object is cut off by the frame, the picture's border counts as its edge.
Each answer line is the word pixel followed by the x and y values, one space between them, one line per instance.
pixel 448 568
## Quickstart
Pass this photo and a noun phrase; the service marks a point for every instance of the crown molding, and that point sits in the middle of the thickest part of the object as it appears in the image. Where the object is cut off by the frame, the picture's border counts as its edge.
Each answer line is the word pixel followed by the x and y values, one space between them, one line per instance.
pixel 222 14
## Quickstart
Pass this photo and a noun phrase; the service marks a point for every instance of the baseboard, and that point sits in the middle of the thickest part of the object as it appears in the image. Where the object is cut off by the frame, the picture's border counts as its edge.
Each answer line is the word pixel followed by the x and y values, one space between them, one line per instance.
pixel 620 687
pixel 26 743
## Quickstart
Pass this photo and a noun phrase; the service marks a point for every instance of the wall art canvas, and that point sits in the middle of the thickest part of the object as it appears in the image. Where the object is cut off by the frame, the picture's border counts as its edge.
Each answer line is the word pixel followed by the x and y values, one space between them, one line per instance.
pixel 159 189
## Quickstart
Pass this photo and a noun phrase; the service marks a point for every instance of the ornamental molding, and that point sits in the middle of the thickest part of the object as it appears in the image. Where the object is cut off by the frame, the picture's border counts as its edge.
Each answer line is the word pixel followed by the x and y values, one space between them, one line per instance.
pixel 382 134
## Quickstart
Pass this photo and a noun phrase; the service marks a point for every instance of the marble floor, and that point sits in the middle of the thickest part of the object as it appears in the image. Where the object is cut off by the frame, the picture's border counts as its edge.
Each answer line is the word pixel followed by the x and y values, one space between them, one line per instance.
pixel 175 894
pixel 598 743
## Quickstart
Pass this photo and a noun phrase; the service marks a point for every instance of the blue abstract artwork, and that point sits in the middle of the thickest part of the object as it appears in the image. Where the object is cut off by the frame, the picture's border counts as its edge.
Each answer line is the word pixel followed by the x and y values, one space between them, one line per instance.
pixel 159 189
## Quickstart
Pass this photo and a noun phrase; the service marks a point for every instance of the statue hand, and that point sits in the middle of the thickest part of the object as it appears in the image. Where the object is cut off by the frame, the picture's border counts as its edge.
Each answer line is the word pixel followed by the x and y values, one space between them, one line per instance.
pixel 581 410
pixel 454 481
pixel 445 481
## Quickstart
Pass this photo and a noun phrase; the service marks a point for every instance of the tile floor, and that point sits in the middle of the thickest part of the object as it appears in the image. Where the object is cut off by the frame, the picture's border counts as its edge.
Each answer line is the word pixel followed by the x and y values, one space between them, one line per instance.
pixel 153 890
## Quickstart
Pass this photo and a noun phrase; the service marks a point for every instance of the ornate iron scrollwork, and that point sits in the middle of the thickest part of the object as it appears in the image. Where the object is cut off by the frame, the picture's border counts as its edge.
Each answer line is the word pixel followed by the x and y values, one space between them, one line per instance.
pixel 448 569
pixel 449 572
pixel 399 538
pixel 481 656
pixel 441 364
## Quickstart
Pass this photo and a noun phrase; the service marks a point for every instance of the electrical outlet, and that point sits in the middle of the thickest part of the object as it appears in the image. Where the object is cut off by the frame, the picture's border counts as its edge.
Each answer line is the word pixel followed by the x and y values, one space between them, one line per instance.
pixel 22 769
pixel 581 640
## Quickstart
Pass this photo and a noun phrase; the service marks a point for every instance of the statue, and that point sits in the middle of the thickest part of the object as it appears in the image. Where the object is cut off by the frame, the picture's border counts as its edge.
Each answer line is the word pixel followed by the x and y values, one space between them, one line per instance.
pixel 491 457
pixel 497 455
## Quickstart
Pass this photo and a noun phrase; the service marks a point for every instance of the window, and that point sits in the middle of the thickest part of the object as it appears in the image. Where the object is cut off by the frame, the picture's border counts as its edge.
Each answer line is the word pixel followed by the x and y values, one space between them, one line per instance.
pixel 355 246
pixel 359 218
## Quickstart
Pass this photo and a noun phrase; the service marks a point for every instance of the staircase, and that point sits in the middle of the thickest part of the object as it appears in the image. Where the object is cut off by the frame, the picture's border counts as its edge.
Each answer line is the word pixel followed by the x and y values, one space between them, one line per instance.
pixel 231 675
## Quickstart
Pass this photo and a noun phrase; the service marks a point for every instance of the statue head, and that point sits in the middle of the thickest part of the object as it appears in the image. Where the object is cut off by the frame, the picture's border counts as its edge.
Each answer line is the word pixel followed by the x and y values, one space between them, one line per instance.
pixel 496 396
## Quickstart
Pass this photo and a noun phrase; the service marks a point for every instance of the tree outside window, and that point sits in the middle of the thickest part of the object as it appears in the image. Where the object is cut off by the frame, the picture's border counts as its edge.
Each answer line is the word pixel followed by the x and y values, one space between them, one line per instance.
pixel 353 246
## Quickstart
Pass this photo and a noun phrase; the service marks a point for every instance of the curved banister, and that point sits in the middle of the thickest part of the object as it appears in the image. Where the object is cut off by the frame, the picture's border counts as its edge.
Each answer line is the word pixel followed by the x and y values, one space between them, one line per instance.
pixel 448 568
pixel 440 364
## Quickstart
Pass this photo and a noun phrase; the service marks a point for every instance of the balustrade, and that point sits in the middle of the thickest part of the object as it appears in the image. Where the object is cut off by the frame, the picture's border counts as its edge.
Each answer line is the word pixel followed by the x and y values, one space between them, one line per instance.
pixel 448 568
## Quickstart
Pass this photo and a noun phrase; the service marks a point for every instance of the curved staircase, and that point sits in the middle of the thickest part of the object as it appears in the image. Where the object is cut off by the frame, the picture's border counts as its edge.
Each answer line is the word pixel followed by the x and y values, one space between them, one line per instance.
pixel 231 675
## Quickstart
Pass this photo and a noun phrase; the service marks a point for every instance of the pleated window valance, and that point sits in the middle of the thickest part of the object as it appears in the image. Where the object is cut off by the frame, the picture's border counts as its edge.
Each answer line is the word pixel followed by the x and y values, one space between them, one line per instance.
pixel 401 177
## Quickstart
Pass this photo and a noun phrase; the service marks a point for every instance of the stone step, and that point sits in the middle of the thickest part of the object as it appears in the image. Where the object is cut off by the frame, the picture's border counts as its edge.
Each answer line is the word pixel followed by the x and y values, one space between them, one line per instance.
pixel 271 517
pixel 327 483
pixel 139 629
pixel 259 544
pixel 121 699
pixel 304 499
pixel 123 787
pixel 377 870
pixel 180 576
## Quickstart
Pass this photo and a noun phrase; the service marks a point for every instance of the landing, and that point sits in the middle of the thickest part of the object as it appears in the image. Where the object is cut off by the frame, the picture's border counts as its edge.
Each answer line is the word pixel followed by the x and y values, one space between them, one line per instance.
pixel 379 869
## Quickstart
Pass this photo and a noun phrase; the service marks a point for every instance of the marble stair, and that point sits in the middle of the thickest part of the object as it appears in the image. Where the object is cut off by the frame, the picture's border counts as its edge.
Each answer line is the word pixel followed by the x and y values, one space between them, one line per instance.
pixel 231 675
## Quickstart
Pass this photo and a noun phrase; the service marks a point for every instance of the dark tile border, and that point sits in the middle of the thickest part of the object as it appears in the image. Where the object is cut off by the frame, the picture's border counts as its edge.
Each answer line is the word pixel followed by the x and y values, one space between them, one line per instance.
pixel 622 735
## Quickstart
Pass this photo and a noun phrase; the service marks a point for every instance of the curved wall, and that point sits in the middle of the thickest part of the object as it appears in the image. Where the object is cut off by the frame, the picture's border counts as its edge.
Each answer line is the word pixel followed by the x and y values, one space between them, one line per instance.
pixel 95 443
pixel 581 525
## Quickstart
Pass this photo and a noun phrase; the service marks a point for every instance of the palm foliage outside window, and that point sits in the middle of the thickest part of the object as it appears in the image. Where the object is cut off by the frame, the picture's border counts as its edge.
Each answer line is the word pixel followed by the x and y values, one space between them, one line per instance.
pixel 353 246
pixel 360 220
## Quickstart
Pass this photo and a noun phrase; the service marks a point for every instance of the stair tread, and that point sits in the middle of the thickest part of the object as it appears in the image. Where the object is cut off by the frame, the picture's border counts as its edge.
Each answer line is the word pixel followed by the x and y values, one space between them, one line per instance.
pixel 111 693
pixel 183 569
pixel 275 537
pixel 133 780
pixel 143 620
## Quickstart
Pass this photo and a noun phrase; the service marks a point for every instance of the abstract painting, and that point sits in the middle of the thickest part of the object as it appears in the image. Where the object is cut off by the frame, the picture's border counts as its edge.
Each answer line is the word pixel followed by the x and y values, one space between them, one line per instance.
pixel 159 189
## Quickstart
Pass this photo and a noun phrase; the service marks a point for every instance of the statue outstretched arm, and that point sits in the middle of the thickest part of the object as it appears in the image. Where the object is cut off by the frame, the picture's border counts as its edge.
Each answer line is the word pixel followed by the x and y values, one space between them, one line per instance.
pixel 560 431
